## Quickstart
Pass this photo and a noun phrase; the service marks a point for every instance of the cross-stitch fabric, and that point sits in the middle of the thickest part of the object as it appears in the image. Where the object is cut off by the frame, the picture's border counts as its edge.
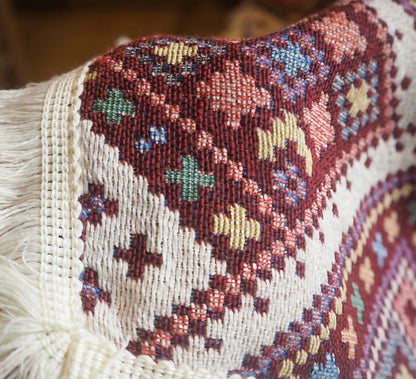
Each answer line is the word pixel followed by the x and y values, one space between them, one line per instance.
pixel 238 208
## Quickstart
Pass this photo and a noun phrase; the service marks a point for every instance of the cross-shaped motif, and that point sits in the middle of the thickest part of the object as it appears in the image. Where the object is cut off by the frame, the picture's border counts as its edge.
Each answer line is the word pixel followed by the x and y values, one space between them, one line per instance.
pixel 190 178
pixel 358 99
pixel 91 292
pixel 392 226
pixel 366 274
pixel 293 59
pixel 350 336
pixel 358 302
pixel 175 52
pixel 137 257
pixel 238 227
pixel 379 249
pixel 288 181
pixel 157 136
pixel 94 204
pixel 115 107
pixel 412 209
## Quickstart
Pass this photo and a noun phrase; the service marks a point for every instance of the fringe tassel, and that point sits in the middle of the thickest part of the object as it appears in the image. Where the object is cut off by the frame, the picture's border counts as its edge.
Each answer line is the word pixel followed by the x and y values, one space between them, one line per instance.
pixel 22 330
pixel 20 173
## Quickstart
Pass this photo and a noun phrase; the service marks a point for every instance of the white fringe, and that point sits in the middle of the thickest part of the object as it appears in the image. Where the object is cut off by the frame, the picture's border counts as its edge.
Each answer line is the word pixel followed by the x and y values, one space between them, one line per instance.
pixel 20 172
pixel 22 352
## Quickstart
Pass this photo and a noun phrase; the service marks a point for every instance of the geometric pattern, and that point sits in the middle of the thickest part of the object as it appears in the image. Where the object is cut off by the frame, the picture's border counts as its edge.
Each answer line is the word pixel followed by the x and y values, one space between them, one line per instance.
pixel 330 370
pixel 344 307
pixel 288 181
pixel 137 256
pixel 240 96
pixel 409 7
pixel 405 306
pixel 282 133
pixel 115 107
pixel 94 204
pixel 351 40
pixel 91 292
pixel 357 98
pixel 251 211
pixel 389 338
pixel 157 135
pixel 190 179
pixel 237 226
pixel 295 62
pixel 318 120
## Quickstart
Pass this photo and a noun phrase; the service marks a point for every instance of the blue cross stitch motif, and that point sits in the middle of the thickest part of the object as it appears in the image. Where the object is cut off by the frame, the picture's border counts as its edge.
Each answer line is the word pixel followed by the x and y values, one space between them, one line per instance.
pixel 288 181
pixel 329 371
pixel 379 249
pixel 265 365
pixel 292 58
pixel 157 136
pixel 287 50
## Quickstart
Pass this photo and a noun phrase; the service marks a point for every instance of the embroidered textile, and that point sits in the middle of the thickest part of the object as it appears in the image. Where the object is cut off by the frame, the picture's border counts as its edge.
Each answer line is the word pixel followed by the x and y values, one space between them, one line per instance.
pixel 249 206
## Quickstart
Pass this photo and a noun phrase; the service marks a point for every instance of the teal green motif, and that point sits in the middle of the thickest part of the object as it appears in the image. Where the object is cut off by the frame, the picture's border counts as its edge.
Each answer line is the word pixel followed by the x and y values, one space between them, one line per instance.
pixel 412 209
pixel 358 303
pixel 115 107
pixel 190 179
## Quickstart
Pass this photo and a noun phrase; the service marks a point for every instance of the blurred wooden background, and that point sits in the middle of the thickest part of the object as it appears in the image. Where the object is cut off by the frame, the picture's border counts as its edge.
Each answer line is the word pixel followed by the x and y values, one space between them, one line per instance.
pixel 43 38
